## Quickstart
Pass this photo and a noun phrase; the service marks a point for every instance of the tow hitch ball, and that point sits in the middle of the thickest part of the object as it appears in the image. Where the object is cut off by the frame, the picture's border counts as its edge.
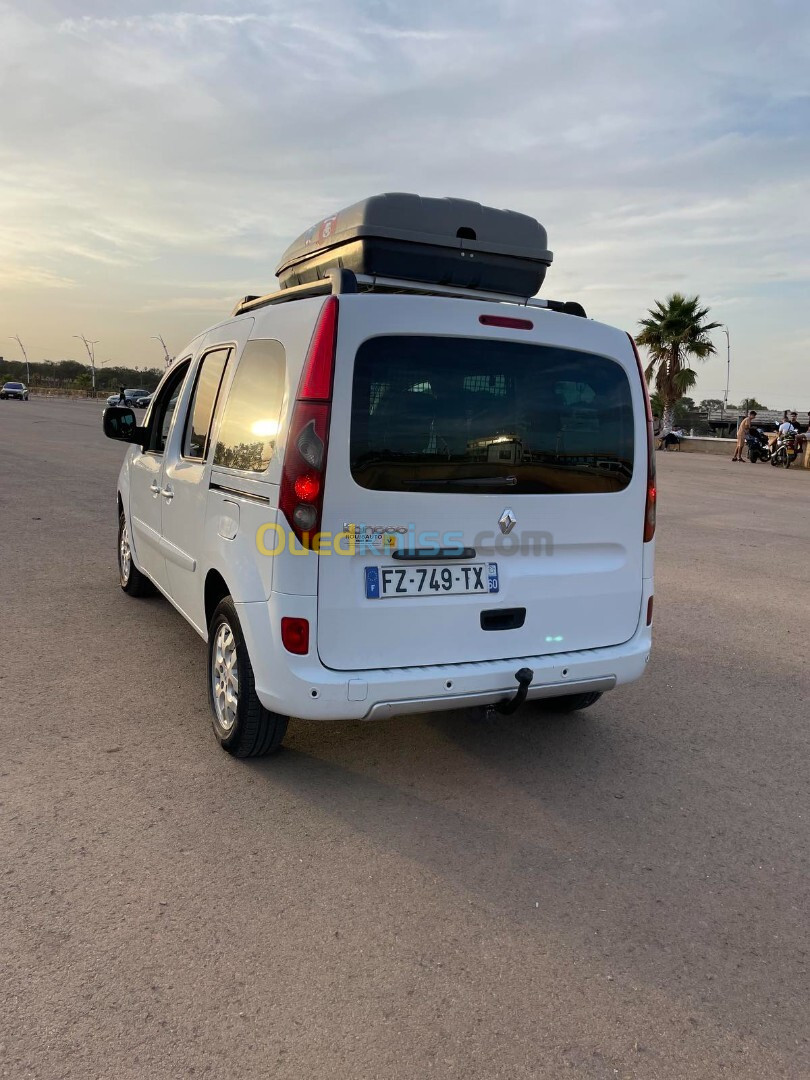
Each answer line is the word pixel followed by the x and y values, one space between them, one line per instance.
pixel 510 705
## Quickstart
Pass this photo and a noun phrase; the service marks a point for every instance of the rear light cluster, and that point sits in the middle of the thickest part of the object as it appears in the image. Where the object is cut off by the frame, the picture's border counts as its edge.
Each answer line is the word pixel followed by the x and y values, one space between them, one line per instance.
pixel 301 495
pixel 295 635
pixel 649 507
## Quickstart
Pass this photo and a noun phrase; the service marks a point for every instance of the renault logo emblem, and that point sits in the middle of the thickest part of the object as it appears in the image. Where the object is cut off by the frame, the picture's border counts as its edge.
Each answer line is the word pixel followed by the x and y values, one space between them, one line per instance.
pixel 507 522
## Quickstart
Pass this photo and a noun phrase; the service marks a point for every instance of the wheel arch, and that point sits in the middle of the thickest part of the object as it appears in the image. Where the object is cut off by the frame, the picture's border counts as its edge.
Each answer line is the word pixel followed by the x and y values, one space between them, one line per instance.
pixel 216 589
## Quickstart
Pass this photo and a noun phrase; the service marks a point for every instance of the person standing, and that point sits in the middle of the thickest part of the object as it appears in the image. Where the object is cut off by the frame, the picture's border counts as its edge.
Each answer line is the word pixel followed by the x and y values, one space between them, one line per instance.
pixel 801 437
pixel 122 395
pixel 742 433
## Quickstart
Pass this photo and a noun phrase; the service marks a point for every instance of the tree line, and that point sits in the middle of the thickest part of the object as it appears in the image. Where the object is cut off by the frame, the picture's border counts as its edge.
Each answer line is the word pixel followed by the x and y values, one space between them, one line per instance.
pixel 73 375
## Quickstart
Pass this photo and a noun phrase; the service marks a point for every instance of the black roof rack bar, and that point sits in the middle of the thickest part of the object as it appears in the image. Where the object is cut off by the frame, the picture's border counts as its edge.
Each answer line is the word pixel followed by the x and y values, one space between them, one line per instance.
pixel 372 281
pixel 339 282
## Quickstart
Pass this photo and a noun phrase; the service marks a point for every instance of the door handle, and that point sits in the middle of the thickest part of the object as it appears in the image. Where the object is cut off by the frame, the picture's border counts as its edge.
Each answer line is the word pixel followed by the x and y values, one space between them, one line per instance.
pixel 167 494
pixel 154 487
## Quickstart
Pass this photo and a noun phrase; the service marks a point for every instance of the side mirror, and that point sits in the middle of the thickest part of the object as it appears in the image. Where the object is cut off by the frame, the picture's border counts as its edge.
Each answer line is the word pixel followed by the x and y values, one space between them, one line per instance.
pixel 120 423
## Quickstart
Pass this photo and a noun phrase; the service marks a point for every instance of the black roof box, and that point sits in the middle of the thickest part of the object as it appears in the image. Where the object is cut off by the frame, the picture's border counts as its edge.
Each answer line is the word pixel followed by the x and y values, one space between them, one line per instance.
pixel 441 241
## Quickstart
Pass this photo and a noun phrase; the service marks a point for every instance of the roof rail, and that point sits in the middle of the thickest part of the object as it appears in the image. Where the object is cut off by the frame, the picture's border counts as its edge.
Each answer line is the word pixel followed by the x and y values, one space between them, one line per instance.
pixel 339 282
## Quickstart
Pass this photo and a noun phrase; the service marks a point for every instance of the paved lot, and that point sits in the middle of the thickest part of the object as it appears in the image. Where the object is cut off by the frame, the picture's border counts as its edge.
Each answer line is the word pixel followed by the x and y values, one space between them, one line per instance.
pixel 621 894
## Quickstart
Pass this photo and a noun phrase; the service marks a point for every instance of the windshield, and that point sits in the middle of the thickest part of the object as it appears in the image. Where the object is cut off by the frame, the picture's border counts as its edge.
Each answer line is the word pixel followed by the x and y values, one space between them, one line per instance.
pixel 471 414
pixel 14 386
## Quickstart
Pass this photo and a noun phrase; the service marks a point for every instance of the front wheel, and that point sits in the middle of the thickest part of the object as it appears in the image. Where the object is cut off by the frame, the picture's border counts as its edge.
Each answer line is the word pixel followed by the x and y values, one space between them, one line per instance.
pixel 570 703
pixel 242 725
pixel 132 581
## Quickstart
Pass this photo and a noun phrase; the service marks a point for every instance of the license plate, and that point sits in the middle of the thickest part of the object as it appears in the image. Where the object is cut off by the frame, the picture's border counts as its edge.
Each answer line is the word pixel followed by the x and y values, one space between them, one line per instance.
pixel 384 582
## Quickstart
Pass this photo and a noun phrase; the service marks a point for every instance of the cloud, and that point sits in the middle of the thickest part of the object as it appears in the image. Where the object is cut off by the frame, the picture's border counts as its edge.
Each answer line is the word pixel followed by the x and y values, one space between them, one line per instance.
pixel 149 152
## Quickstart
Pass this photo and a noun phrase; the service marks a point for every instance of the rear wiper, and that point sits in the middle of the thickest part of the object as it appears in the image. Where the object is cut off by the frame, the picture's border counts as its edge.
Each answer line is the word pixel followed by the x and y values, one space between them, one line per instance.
pixel 469 481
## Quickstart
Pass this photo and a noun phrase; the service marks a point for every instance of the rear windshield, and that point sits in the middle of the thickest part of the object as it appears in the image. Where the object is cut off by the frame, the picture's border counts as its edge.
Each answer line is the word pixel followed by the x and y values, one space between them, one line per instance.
pixel 450 414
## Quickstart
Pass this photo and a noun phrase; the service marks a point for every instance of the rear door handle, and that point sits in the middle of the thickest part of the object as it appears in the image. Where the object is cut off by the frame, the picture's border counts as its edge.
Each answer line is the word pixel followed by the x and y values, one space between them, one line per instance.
pixel 433 554
pixel 154 487
pixel 167 494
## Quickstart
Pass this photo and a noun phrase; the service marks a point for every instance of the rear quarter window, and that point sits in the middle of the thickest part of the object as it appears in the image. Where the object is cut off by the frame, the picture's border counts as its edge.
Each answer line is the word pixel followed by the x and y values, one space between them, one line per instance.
pixel 451 414
pixel 247 434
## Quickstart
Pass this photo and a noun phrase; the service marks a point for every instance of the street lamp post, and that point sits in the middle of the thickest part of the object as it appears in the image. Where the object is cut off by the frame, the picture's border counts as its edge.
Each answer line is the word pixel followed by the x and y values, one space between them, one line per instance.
pixel 16 337
pixel 159 337
pixel 91 352
pixel 167 358
pixel 724 328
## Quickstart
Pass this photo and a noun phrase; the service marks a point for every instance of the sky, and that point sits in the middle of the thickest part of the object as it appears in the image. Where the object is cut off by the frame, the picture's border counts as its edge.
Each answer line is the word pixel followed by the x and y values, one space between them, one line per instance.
pixel 157 158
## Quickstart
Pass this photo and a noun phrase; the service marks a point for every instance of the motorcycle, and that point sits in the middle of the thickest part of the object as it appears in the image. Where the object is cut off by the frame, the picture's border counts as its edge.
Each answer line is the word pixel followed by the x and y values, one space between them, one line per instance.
pixel 784 451
pixel 757 443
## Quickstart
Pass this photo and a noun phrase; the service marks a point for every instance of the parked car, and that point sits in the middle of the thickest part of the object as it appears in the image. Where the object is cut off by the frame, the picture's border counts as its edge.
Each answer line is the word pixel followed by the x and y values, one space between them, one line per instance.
pixel 16 390
pixel 131 396
pixel 421 570
pixel 142 400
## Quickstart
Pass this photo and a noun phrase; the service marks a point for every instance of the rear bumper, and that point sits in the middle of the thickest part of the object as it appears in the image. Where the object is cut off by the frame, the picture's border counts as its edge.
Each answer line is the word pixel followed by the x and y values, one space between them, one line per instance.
pixel 301 686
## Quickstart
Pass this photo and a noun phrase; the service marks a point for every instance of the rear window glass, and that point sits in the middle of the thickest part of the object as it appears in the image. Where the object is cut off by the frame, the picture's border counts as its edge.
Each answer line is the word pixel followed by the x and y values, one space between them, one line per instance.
pixel 246 439
pixel 470 414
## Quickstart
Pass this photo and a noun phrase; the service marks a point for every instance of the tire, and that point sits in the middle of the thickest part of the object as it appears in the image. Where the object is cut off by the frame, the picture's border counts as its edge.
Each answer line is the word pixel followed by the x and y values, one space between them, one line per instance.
pixel 570 703
pixel 244 729
pixel 131 580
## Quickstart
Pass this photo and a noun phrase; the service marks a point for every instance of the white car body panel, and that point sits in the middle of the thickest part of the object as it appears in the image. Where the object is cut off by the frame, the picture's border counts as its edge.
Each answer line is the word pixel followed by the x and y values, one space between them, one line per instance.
pixel 589 594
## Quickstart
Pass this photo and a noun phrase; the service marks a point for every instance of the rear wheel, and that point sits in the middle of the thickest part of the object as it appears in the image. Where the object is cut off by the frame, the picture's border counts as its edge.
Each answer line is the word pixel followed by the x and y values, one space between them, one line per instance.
pixel 570 703
pixel 242 725
pixel 132 581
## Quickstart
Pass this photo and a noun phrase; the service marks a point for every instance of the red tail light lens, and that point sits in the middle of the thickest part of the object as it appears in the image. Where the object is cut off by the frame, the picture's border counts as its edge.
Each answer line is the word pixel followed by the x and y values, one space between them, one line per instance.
pixel 301 494
pixel 301 491
pixel 650 502
pixel 307 487
pixel 295 636
pixel 316 378
pixel 649 611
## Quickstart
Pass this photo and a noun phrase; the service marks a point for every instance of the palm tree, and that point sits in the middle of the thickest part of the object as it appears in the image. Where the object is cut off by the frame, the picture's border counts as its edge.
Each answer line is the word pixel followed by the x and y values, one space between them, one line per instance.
pixel 673 334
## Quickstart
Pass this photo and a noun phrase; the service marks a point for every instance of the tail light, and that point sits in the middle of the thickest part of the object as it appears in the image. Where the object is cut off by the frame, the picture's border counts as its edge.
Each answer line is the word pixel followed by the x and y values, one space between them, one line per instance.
pixel 301 495
pixel 507 321
pixel 649 507
pixel 295 636
pixel 649 611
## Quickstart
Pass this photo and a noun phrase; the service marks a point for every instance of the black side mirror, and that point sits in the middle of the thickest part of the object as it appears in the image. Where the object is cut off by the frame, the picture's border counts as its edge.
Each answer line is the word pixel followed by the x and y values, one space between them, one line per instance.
pixel 120 423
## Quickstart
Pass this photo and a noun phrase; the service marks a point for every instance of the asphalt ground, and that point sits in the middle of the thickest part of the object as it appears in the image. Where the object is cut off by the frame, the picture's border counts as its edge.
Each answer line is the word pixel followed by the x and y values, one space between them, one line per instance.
pixel 619 894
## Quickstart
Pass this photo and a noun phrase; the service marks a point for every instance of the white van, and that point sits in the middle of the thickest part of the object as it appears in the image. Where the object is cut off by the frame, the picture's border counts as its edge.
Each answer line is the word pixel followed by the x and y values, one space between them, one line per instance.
pixel 379 495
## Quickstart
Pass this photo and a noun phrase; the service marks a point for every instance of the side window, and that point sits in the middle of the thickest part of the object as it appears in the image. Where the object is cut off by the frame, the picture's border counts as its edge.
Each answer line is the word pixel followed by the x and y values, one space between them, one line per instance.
pixel 164 405
pixel 250 419
pixel 203 400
